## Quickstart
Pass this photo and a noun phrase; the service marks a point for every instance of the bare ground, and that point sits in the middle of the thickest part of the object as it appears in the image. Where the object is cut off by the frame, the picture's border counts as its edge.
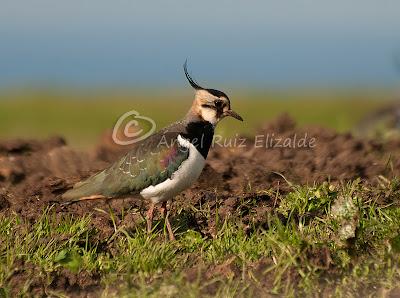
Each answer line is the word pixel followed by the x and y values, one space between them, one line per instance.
pixel 33 173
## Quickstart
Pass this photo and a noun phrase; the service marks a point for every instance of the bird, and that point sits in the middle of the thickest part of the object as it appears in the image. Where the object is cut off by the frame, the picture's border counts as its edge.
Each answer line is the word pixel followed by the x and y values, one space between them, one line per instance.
pixel 164 164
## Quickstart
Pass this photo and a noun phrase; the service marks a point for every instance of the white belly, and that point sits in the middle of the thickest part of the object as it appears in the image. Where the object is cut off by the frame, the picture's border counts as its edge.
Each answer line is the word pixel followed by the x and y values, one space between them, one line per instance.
pixel 183 178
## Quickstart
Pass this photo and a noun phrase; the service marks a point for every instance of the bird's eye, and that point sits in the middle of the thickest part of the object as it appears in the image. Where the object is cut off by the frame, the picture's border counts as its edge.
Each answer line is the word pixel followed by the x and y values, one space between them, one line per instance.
pixel 218 103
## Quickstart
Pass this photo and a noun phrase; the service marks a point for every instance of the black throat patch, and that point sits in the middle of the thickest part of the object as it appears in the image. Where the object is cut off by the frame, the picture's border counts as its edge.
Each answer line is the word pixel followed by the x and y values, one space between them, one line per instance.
pixel 200 134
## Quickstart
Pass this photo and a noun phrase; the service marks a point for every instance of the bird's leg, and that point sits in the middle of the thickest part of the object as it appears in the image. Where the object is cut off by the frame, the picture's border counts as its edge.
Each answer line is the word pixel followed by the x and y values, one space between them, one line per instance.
pixel 149 217
pixel 165 214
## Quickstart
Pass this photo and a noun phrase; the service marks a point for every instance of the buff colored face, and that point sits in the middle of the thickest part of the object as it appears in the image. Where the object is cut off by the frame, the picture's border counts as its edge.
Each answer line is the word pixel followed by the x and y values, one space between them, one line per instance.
pixel 213 108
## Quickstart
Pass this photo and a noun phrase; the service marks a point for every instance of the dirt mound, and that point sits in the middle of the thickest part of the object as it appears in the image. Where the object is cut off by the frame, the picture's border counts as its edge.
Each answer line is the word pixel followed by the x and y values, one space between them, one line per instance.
pixel 303 156
pixel 33 173
pixel 239 170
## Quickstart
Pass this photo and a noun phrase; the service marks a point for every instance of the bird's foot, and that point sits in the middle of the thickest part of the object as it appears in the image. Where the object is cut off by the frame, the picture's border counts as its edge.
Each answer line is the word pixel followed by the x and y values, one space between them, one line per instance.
pixel 165 214
pixel 149 218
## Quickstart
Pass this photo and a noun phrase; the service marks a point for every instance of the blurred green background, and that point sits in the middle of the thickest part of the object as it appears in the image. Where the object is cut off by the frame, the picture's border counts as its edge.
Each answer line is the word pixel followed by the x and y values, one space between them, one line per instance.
pixel 82 115
pixel 71 68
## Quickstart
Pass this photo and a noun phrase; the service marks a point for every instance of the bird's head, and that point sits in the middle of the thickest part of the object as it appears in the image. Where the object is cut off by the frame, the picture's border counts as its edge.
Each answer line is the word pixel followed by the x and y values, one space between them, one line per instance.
pixel 209 104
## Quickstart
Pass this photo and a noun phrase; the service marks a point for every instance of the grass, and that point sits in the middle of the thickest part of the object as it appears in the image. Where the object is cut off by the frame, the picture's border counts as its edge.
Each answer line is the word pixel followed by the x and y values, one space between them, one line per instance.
pixel 320 240
pixel 81 116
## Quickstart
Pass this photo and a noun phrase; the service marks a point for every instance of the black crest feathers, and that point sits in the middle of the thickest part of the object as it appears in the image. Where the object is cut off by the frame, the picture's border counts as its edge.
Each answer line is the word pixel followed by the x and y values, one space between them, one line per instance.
pixel 189 78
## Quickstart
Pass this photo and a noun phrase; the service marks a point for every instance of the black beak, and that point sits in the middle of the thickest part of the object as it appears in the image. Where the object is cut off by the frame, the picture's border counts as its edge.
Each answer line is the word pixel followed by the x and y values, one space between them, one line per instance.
pixel 233 114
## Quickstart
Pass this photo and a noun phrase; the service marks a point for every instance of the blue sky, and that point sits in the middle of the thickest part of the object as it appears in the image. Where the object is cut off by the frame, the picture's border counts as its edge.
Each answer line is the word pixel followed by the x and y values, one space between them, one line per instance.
pixel 241 43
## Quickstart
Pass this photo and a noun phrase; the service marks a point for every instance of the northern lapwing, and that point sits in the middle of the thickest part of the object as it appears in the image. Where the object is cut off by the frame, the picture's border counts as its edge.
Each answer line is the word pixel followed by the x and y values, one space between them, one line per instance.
pixel 164 164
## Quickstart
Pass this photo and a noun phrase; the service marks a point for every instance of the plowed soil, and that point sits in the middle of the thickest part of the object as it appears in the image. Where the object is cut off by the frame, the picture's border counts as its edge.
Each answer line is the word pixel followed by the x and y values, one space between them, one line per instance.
pixel 33 173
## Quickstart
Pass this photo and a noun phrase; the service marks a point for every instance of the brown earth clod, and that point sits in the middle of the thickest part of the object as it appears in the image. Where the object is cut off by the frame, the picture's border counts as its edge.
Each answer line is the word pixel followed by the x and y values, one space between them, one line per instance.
pixel 34 173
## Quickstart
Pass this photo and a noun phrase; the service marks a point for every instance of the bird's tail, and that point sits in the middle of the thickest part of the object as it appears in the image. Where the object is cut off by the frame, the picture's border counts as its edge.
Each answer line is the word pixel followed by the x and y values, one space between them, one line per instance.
pixel 90 189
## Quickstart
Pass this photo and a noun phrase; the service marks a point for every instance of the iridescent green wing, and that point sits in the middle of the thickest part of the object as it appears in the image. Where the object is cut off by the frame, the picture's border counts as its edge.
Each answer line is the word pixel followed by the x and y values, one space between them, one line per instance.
pixel 152 162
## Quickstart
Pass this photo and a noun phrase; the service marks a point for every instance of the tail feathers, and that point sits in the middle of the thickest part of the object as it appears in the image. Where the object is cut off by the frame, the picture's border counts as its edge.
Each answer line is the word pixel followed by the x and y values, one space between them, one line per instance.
pixel 92 188
pixel 93 197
